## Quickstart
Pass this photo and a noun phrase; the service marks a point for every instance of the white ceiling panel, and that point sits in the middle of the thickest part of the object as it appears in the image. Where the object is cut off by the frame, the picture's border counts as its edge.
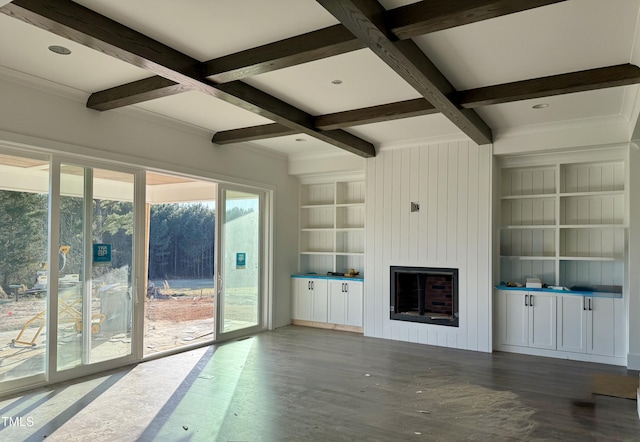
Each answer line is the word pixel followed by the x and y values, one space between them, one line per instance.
pixel 392 4
pixel 407 129
pixel 24 48
pixel 298 145
pixel 366 81
pixel 604 103
pixel 203 111
pixel 563 37
pixel 559 38
pixel 206 29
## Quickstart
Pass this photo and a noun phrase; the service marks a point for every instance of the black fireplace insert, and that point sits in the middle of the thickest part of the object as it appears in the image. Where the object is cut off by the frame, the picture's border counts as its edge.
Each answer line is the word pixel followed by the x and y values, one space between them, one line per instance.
pixel 425 294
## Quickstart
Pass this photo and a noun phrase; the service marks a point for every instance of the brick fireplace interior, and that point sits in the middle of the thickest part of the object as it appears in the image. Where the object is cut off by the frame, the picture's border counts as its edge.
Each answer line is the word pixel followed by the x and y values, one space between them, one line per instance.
pixel 424 294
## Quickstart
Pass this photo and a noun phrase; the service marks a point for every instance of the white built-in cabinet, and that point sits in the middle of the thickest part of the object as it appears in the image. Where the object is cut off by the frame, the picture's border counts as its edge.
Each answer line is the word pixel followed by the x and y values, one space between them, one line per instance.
pixel 327 302
pixel 332 218
pixel 331 240
pixel 345 303
pixel 526 319
pixel 310 300
pixel 591 325
pixel 564 223
pixel 565 326
pixel 563 219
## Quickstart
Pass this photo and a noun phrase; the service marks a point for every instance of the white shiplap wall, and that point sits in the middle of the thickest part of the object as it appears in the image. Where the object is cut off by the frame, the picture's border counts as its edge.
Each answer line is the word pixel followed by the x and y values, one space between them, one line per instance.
pixel 452 184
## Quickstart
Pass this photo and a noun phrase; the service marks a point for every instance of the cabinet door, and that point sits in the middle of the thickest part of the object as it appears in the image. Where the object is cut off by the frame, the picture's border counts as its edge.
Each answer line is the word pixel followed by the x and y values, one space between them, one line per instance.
pixel 601 327
pixel 542 320
pixel 302 299
pixel 512 315
pixel 354 303
pixel 337 302
pixel 320 300
pixel 572 323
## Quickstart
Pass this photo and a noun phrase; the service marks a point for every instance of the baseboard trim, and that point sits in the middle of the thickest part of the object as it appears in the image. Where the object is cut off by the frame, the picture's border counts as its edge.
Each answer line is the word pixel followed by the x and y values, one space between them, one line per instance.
pixel 633 361
pixel 328 326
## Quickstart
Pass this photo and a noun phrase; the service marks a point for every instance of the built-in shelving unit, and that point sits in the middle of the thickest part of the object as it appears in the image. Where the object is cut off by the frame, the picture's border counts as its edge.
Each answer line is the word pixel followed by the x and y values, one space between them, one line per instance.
pixel 332 225
pixel 564 223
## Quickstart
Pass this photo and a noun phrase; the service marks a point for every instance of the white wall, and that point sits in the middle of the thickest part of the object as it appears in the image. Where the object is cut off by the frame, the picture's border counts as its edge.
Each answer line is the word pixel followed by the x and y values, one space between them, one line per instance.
pixel 633 357
pixel 41 115
pixel 452 183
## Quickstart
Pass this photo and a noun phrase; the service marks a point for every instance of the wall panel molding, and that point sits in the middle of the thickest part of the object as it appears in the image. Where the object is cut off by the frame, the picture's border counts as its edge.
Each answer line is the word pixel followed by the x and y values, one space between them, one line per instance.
pixel 452 183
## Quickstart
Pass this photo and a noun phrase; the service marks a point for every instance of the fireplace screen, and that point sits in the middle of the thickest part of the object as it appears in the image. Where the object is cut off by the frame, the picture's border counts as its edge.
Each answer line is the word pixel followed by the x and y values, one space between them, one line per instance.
pixel 425 294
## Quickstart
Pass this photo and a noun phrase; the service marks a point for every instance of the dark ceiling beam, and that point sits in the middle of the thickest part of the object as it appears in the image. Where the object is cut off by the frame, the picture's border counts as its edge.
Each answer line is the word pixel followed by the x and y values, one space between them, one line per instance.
pixel 338 120
pixel 582 81
pixel 365 19
pixel 84 26
pixel 132 93
pixel 405 22
pixel 304 48
pixel 436 15
pixel 315 45
pixel 253 133
pixel 375 114
pixel 135 92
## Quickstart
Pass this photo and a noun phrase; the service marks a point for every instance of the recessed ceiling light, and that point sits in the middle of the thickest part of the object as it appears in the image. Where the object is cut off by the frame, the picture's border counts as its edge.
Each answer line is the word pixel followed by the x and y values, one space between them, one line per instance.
pixel 61 50
pixel 540 106
pixel 336 81
pixel 301 139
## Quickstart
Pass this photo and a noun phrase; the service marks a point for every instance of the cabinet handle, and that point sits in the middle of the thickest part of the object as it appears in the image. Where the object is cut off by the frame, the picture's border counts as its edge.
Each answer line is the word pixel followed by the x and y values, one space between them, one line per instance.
pixel 584 303
pixel 308 285
pixel 530 300
pixel 590 306
pixel 525 301
pixel 346 287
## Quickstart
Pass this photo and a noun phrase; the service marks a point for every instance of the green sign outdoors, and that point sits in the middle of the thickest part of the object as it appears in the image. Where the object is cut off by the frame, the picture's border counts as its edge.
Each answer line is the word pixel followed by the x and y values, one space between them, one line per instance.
pixel 101 254
pixel 241 260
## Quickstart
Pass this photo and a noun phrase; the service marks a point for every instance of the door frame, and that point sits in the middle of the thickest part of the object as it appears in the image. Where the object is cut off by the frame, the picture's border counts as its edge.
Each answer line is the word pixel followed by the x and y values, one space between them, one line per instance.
pixel 137 266
pixel 55 158
pixel 265 283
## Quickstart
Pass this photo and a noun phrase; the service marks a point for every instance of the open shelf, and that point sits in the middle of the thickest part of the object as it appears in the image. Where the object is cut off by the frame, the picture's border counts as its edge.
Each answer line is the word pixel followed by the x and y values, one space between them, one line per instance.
pixel 332 226
pixel 564 223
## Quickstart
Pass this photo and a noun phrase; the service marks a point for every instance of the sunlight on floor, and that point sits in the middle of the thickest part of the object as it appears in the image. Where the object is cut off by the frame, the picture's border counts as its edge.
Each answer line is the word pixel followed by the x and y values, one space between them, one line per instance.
pixel 186 395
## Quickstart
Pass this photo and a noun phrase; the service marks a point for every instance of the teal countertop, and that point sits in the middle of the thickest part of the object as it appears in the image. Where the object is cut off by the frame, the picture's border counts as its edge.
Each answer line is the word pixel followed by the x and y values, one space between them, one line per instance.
pixel 320 276
pixel 563 292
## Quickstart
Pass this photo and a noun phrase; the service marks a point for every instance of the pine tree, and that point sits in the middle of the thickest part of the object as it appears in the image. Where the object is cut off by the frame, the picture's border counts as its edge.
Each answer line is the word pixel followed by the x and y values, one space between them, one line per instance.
pixel 23 239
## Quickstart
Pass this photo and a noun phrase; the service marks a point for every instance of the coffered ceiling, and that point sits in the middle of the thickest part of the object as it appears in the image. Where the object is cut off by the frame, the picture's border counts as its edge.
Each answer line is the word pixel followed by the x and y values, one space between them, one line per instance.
pixel 316 76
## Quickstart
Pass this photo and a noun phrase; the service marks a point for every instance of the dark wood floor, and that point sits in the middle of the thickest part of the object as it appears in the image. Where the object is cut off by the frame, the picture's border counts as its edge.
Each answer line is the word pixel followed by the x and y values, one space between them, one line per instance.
pixel 304 384
pixel 312 384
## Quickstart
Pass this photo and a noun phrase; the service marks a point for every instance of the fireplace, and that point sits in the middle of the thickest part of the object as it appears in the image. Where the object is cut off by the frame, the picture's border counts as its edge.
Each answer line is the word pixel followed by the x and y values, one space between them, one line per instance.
pixel 424 294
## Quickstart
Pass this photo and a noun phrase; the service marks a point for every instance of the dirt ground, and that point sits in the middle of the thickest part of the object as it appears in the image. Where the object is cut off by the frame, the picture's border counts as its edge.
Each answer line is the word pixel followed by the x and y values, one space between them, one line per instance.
pixel 182 315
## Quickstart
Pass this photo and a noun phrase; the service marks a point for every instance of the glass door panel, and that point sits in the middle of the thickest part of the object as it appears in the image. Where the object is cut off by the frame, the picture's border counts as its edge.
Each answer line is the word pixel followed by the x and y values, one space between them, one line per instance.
pixel 24 217
pixel 71 266
pixel 180 294
pixel 111 272
pixel 95 301
pixel 239 284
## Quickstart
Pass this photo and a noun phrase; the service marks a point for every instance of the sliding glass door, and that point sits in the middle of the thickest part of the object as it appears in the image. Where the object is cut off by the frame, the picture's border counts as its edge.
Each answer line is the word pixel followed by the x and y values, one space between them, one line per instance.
pixel 73 269
pixel 240 273
pixel 94 249
pixel 180 297
pixel 67 265
pixel 24 195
